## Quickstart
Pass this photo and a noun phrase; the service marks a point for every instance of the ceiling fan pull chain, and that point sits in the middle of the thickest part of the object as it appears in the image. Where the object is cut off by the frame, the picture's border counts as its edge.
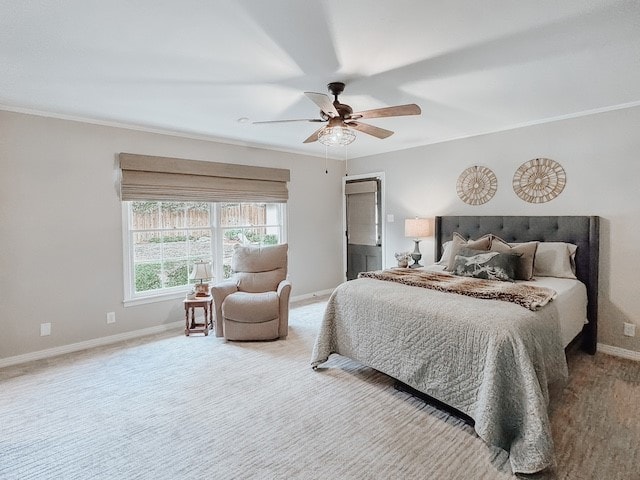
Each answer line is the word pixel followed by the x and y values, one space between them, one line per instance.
pixel 326 160
pixel 346 160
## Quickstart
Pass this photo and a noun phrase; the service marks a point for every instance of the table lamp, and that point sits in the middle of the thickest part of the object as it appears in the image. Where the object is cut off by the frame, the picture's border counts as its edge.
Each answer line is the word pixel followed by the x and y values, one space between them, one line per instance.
pixel 416 228
pixel 201 271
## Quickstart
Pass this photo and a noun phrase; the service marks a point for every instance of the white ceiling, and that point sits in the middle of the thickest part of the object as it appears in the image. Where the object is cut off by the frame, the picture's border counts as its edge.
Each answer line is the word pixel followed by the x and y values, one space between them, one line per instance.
pixel 197 66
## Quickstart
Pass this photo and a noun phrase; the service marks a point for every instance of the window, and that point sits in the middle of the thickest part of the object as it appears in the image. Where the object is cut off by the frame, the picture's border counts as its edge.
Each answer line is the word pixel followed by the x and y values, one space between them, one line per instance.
pixel 248 224
pixel 163 239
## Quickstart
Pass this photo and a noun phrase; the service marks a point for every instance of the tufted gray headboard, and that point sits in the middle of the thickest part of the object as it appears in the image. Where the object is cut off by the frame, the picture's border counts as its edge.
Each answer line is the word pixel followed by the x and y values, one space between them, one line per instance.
pixel 582 231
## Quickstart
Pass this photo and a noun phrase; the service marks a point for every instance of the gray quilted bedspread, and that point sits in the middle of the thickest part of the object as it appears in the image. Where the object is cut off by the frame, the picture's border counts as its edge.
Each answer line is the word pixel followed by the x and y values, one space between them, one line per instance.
pixel 490 359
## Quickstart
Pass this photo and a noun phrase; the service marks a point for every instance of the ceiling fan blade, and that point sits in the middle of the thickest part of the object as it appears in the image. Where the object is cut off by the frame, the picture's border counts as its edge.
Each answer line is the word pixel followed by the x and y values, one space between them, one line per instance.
pixel 369 129
pixel 295 120
pixel 397 111
pixel 324 102
pixel 313 137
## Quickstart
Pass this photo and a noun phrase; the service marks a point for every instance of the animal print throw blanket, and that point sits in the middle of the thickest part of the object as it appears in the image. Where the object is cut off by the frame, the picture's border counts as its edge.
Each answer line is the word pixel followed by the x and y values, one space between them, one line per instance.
pixel 527 296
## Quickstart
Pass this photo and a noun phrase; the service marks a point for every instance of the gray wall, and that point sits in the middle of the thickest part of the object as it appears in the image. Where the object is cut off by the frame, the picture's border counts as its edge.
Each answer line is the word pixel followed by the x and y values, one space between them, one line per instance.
pixel 600 154
pixel 59 206
pixel 61 257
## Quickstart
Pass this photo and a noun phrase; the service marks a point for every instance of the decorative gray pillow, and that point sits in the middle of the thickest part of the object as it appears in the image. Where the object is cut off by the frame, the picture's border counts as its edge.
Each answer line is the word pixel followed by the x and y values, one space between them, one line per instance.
pixel 458 242
pixel 486 265
pixel 527 252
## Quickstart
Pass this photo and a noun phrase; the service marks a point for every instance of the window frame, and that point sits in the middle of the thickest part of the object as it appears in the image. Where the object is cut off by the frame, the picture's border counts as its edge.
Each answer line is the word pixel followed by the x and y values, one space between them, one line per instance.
pixel 131 298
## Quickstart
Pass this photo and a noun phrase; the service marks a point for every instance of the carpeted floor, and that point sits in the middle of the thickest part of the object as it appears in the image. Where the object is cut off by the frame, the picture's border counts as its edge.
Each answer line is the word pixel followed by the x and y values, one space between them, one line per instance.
pixel 176 407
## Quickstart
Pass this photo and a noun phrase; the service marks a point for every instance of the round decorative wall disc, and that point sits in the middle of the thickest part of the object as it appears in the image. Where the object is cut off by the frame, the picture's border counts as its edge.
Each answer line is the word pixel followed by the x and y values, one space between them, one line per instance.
pixel 477 185
pixel 539 180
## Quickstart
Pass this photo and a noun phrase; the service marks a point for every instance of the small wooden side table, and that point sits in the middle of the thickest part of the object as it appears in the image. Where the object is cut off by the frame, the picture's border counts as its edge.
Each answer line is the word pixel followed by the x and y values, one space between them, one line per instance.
pixel 191 326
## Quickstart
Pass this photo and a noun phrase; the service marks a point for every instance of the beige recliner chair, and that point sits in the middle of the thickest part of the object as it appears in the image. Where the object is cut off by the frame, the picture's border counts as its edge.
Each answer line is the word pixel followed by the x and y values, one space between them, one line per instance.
pixel 254 303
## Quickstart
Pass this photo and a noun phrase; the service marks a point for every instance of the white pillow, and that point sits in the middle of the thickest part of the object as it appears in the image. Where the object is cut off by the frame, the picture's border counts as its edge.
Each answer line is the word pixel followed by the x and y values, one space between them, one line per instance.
pixel 446 253
pixel 555 259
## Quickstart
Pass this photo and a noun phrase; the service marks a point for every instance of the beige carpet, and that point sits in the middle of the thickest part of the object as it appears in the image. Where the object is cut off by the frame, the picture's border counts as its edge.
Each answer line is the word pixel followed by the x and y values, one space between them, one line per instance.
pixel 172 407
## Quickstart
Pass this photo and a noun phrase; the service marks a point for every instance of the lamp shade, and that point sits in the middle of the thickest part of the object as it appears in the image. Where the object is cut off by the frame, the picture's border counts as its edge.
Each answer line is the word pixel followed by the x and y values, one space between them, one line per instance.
pixel 201 271
pixel 417 227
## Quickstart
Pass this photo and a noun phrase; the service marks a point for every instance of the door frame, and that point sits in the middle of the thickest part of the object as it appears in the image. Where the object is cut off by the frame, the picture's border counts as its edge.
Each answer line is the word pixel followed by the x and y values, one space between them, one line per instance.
pixel 383 226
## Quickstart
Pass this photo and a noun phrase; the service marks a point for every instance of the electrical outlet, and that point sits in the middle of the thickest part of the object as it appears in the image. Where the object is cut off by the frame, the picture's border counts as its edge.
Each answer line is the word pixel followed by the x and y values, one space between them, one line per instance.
pixel 45 329
pixel 390 218
pixel 629 329
pixel 111 317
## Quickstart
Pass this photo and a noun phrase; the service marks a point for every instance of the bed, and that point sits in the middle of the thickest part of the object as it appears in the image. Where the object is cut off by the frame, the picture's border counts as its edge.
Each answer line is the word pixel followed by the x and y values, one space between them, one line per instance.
pixel 582 231
pixel 493 361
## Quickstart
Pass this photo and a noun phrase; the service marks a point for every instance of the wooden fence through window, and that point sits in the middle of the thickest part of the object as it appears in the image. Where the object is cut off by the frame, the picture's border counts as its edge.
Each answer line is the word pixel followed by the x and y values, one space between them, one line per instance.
pixel 230 215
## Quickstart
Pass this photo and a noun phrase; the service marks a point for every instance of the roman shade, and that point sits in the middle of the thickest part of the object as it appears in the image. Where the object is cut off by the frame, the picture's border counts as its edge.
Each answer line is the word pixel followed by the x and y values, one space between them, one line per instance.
pixel 361 212
pixel 146 177
pixel 354 188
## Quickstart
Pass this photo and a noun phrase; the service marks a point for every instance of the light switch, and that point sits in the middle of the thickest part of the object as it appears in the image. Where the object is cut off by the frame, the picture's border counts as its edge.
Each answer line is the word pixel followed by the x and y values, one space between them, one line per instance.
pixel 390 218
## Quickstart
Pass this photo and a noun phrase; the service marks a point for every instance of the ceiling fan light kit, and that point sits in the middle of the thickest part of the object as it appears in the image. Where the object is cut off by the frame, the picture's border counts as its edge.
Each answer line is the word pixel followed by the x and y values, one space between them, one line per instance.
pixel 332 136
pixel 341 118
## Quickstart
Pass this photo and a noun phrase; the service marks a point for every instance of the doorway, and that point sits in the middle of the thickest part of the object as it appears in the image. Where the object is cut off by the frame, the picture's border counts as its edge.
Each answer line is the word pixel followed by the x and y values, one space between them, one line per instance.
pixel 363 214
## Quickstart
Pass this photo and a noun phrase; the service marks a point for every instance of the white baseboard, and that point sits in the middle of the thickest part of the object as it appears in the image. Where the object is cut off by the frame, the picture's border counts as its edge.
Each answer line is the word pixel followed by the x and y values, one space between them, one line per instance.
pixel 96 342
pixel 307 296
pixel 619 352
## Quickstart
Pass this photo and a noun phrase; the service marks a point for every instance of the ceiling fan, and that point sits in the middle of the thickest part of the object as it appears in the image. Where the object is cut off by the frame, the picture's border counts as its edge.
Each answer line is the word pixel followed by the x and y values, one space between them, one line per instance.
pixel 341 119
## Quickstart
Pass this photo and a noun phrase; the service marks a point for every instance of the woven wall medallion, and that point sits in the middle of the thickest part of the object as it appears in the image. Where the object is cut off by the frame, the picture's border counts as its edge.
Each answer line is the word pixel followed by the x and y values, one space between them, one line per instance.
pixel 476 185
pixel 539 180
